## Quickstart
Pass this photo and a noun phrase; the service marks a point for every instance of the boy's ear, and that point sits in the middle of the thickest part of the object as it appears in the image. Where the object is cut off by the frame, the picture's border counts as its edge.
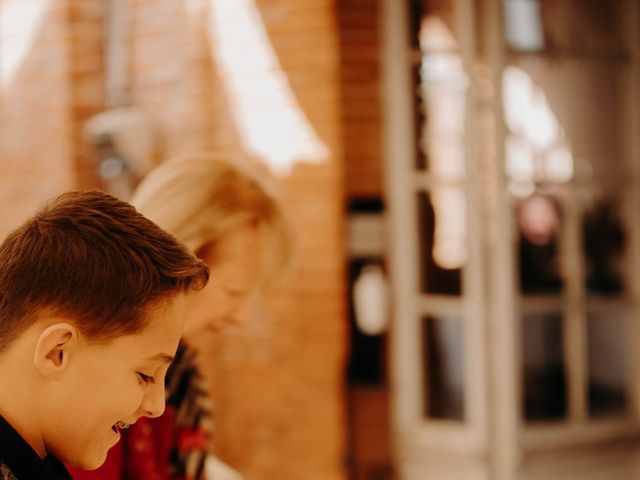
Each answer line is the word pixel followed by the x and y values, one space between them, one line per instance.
pixel 53 347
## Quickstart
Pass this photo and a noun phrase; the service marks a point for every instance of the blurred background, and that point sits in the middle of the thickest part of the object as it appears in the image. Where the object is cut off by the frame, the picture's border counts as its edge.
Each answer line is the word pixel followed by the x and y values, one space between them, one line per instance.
pixel 462 176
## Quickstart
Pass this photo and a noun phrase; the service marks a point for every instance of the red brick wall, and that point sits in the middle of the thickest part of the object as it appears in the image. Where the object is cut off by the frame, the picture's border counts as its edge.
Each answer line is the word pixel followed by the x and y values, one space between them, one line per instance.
pixel 361 109
pixel 171 72
pixel 86 73
pixel 43 100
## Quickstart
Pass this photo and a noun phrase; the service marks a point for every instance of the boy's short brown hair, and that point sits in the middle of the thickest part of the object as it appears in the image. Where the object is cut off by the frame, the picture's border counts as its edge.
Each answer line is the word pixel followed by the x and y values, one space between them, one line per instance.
pixel 95 259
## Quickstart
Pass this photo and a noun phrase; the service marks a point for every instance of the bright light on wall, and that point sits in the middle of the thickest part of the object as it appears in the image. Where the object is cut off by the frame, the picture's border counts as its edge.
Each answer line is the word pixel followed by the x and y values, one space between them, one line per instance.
pixel 19 21
pixel 271 123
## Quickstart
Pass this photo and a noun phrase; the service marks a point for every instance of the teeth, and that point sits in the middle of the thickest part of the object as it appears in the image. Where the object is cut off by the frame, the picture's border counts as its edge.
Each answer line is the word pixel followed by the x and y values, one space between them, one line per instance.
pixel 122 425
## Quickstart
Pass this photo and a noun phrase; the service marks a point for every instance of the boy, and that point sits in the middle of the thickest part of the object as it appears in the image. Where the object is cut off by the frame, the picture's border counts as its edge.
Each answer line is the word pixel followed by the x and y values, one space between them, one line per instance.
pixel 91 312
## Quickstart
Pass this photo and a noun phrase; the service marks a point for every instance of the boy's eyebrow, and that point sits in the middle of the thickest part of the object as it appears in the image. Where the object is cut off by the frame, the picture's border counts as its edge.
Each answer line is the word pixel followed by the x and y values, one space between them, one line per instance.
pixel 162 357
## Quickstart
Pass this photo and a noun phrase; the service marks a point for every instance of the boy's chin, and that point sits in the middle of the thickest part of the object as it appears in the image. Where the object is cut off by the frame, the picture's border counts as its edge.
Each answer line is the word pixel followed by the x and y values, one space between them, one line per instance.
pixel 91 461
pixel 91 465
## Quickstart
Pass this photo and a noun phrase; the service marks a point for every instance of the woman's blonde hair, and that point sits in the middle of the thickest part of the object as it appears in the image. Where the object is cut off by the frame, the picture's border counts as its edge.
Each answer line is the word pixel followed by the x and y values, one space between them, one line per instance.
pixel 201 197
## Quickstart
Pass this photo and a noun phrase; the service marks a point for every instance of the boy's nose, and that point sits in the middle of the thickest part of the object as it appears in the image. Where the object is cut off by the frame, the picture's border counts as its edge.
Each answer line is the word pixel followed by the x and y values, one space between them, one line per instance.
pixel 154 401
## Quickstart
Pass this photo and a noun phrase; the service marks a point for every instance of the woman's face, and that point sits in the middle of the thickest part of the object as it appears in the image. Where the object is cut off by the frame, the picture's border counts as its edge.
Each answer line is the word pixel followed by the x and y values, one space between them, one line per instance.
pixel 236 269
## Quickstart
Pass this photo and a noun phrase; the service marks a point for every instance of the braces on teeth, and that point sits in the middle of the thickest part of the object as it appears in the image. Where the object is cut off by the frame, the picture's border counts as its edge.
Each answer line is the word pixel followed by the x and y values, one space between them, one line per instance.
pixel 122 425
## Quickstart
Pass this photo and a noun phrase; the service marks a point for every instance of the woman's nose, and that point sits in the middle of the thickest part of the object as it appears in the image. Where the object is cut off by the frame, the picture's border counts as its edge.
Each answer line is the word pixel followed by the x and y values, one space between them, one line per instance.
pixel 238 315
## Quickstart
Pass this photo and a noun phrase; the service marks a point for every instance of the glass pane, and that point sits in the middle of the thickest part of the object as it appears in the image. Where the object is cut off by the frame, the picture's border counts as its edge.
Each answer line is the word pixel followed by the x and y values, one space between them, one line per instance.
pixel 523 25
pixel 544 376
pixel 417 13
pixel 562 144
pixel 538 221
pixel 554 134
pixel 576 26
pixel 603 244
pixel 443 367
pixel 442 245
pixel 421 157
pixel 606 351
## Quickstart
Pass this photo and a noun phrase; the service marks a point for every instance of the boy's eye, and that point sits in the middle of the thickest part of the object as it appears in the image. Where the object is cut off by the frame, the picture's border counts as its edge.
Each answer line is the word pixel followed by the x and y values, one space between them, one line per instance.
pixel 146 378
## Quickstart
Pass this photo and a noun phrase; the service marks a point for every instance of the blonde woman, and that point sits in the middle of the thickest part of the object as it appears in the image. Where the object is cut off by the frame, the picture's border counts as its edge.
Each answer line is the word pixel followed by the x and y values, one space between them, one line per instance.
pixel 224 215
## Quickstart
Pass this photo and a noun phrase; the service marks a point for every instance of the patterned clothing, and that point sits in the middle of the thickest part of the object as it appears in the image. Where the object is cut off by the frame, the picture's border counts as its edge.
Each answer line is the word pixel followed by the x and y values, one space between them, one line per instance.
pixel 173 446
pixel 5 473
pixel 187 395
pixel 18 461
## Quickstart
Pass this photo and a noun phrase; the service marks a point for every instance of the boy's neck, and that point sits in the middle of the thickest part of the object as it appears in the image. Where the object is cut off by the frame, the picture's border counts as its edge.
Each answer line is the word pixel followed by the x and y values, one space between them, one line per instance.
pixel 17 401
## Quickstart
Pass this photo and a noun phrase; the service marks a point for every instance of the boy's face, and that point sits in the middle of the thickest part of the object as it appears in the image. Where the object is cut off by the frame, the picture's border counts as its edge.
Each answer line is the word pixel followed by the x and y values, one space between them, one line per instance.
pixel 103 385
